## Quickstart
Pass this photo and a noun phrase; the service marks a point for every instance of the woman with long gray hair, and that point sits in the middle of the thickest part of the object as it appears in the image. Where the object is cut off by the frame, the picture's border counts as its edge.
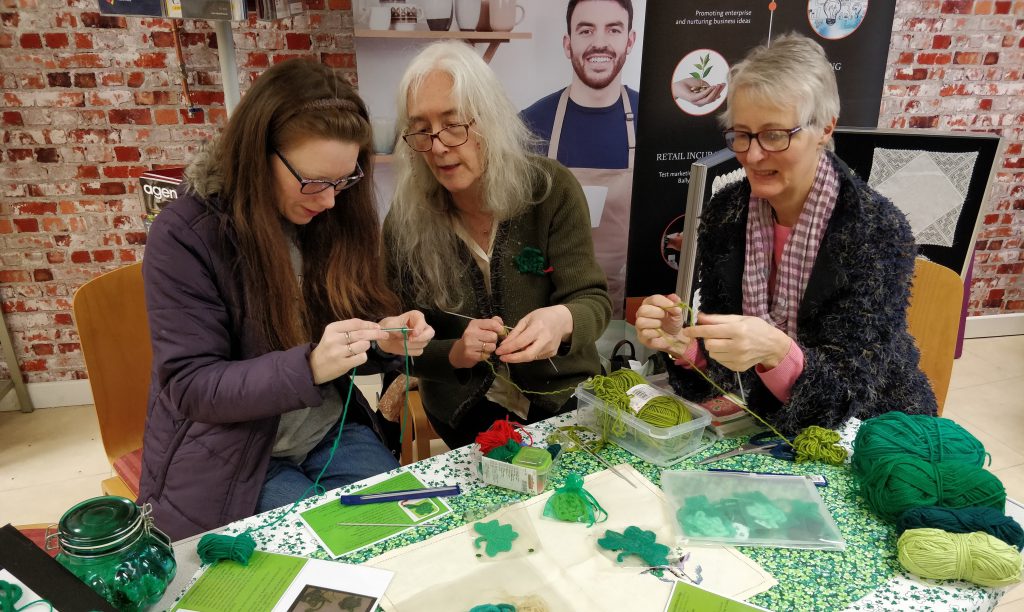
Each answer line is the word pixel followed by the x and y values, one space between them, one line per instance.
pixel 492 243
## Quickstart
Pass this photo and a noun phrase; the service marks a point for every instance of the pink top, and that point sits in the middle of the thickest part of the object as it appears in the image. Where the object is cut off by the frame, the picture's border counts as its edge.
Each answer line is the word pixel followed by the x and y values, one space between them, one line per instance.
pixel 781 378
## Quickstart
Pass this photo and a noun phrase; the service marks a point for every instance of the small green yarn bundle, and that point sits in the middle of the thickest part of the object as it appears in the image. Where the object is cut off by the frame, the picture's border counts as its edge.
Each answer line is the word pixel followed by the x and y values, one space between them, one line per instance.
pixel 964 520
pixel 662 411
pixel 216 546
pixel 900 482
pixel 819 444
pixel 932 439
pixel 976 557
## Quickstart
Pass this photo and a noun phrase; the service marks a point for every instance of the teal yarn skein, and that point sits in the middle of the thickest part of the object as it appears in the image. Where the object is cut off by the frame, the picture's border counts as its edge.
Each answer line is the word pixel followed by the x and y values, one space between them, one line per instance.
pixel 662 411
pixel 964 520
pixel 933 439
pixel 897 483
pixel 977 557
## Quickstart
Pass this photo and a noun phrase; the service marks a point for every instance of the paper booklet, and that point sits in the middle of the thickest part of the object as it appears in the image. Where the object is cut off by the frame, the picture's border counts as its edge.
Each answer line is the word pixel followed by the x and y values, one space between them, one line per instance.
pixel 283 583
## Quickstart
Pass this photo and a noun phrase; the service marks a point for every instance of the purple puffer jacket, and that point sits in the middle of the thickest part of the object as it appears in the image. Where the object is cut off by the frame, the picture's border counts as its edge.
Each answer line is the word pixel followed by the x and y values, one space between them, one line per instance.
pixel 217 391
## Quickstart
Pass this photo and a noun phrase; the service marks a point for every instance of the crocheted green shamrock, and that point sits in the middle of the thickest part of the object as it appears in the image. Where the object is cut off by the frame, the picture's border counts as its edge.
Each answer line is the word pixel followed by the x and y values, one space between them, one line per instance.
pixel 531 261
pixel 497 536
pixel 636 541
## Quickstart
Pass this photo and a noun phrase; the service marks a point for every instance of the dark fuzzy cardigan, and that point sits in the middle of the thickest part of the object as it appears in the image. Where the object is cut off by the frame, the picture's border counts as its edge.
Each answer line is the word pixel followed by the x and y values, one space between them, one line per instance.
pixel 859 359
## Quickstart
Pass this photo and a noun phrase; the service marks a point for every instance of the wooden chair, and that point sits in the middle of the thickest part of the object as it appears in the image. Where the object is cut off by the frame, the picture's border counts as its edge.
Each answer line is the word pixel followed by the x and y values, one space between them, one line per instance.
pixel 936 300
pixel 110 312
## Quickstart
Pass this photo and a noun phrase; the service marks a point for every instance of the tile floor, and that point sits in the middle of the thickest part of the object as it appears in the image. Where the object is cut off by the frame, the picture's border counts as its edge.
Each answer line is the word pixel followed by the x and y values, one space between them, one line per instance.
pixel 53 458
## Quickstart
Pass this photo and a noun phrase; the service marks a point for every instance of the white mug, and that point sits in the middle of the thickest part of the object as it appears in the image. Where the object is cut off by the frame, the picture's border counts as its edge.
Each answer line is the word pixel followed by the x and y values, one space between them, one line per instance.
pixel 384 136
pixel 467 12
pixel 503 15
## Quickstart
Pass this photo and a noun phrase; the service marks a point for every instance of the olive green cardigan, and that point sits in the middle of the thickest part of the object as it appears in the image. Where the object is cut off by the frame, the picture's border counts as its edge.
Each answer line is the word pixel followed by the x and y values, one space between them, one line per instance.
pixel 559 226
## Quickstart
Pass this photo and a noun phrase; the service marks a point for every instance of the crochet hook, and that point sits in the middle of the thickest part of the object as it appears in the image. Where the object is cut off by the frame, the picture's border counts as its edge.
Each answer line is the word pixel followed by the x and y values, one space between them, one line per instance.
pixel 507 329
pixel 389 496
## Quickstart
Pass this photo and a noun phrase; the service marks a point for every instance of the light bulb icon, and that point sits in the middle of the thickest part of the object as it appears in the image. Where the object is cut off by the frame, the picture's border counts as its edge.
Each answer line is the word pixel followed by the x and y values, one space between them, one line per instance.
pixel 831 8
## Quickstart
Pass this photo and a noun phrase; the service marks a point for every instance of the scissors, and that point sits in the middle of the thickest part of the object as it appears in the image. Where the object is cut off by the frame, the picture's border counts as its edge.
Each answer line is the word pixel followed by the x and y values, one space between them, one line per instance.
pixel 764 443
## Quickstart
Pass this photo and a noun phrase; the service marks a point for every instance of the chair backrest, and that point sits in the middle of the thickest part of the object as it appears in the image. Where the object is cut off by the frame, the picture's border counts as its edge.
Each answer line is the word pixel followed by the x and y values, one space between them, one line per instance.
pixel 110 312
pixel 936 300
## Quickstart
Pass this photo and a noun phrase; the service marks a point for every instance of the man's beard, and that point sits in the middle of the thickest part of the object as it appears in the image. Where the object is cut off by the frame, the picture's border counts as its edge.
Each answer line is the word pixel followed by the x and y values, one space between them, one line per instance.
pixel 579 65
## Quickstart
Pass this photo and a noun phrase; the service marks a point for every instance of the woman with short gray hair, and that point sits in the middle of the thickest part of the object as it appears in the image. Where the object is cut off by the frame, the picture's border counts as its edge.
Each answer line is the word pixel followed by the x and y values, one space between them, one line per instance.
pixel 804 271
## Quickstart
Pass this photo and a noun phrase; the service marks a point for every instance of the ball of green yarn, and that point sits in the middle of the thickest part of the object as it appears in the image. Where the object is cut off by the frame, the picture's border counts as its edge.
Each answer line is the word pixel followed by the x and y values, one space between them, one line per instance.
pixel 976 557
pixel 964 520
pixel 929 438
pixel 662 411
pixel 899 482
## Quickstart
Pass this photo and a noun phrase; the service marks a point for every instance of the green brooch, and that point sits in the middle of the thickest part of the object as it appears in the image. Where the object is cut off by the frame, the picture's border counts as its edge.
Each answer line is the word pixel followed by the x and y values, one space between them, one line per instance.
pixel 531 261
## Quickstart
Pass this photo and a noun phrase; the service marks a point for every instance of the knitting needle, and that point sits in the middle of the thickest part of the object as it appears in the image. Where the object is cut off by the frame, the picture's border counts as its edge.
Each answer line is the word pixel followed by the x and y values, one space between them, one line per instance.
pixel 507 329
pixel 343 524
pixel 580 443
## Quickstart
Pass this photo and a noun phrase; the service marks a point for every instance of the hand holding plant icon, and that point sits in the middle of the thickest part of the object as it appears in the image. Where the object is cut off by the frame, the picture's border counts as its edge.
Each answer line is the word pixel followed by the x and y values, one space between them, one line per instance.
pixel 694 88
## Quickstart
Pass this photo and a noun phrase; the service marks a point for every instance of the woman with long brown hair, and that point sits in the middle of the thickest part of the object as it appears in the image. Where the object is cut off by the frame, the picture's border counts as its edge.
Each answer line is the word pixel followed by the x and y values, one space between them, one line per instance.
pixel 265 292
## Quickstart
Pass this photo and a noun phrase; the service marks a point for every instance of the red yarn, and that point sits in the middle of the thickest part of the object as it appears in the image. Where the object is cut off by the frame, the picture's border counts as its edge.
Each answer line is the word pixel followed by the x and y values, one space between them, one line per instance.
pixel 499 434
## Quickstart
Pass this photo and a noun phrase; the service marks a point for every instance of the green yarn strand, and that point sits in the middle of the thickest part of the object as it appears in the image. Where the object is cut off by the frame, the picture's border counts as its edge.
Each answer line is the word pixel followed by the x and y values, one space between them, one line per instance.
pixel 976 557
pixel 215 546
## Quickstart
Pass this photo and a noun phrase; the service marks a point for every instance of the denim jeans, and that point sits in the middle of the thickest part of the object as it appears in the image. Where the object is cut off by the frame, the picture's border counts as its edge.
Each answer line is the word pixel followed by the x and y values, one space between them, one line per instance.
pixel 360 455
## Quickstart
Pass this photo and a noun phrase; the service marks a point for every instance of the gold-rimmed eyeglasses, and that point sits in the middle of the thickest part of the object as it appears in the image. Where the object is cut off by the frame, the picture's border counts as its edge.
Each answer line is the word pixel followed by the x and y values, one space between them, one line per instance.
pixel 453 135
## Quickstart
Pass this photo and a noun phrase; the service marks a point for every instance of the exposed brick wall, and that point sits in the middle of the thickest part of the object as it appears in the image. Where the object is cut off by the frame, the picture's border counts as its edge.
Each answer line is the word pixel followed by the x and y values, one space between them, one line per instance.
pixel 90 102
pixel 959 65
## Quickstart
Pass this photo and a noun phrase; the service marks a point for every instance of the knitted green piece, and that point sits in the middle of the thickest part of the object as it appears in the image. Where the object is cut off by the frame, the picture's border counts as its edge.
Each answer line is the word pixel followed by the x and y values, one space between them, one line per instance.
pixel 761 511
pixel 636 541
pixel 502 607
pixel 574 504
pixel 700 518
pixel 498 537
pixel 819 444
pixel 531 261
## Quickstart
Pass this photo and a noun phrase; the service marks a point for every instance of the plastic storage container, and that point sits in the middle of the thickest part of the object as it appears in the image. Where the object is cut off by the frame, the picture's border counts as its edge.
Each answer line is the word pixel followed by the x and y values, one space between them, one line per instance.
pixel 662 446
pixel 750 510
pixel 110 544
pixel 528 472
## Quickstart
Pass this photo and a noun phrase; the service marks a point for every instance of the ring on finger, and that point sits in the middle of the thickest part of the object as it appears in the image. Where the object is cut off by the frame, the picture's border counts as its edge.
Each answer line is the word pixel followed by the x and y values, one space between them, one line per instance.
pixel 348 337
pixel 349 347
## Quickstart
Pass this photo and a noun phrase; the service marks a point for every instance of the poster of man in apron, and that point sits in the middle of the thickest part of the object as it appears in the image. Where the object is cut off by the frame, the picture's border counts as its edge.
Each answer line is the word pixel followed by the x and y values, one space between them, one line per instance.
pixel 590 126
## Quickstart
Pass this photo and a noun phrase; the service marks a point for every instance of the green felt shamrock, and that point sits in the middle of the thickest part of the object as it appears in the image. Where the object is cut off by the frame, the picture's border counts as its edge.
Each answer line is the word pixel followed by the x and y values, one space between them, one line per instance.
pixel 497 536
pixel 636 541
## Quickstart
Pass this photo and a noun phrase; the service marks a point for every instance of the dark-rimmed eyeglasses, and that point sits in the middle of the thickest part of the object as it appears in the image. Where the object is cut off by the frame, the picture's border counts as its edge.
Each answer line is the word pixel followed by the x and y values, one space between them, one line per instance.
pixel 311 186
pixel 772 141
pixel 453 135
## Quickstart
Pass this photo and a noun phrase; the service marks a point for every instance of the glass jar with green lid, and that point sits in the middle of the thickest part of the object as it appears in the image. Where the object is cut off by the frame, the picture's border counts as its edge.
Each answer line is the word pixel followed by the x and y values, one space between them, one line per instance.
pixel 111 544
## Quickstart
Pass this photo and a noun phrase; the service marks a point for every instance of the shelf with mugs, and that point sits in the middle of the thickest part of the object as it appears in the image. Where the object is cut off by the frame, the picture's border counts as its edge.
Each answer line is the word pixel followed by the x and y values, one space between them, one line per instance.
pixel 491 39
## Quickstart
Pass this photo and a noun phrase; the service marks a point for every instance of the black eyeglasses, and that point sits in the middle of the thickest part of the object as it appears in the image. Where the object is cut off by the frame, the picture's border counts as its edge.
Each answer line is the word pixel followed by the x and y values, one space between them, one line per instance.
pixel 773 141
pixel 453 135
pixel 311 186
